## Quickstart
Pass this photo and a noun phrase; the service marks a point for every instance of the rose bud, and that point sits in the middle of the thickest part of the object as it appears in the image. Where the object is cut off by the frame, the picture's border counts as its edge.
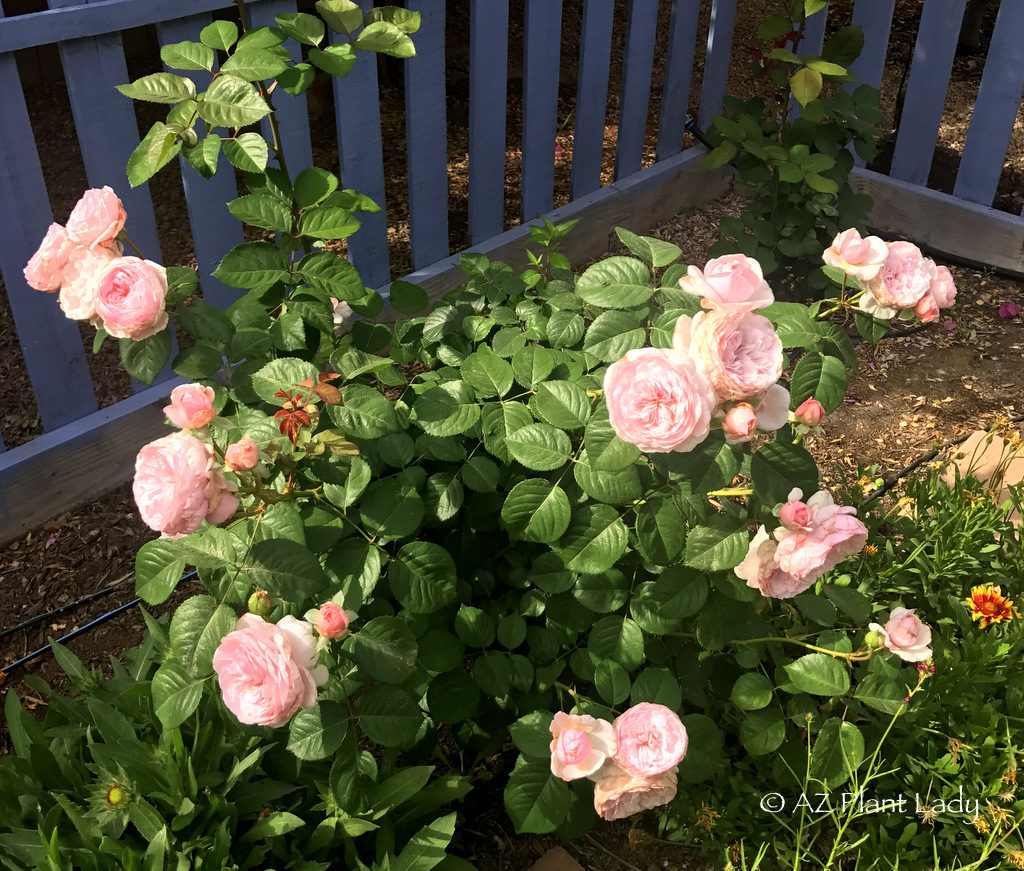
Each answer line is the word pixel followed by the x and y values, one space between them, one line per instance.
pixel 259 604
pixel 740 423
pixel 810 412
pixel 241 456
pixel 191 406
pixel 874 639
pixel 331 620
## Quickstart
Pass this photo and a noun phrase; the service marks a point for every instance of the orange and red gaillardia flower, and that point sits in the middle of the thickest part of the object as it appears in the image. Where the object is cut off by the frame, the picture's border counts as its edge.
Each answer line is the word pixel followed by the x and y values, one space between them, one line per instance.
pixel 988 605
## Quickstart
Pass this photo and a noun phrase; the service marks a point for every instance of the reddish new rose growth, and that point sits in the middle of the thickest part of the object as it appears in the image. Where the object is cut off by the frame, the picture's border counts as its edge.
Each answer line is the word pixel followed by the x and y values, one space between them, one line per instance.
pixel 294 415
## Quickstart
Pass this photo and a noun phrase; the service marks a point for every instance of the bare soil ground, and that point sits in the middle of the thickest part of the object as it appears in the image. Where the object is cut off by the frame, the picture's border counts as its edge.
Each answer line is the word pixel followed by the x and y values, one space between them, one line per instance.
pixel 956 375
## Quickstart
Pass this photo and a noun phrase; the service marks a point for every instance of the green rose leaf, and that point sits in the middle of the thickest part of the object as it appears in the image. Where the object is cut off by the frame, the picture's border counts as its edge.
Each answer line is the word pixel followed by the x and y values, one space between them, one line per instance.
pixel 751 692
pixel 158 568
pixel 385 650
pixel 487 374
pixel 762 732
pixel 539 446
pixel 220 35
pixel 157 148
pixel 231 102
pixel 263 211
pixel 448 409
pixel 532 734
pixel 718 546
pixel 315 733
pixel 657 686
pixel 328 222
pixel 342 16
pixel 535 799
pixel 283 375
pixel 838 751
pixel 176 694
pixel 616 283
pixel 409 299
pixel 248 153
pixel 653 252
pixel 606 452
pixel 160 88
pixel 390 510
pixel 302 27
pixel 452 697
pixel 188 56
pixel 594 541
pixel 536 510
pixel 779 466
pixel 423 577
pixel 619 639
pixel 335 60
pixel 819 674
pixel 498 420
pixel 145 358
pixel 364 413
pixel 660 529
pixel 385 38
pixel 253 266
pixel 564 404
pixel 254 64
pixel 389 716
pixel 612 334
pixel 821 377
pixel 565 329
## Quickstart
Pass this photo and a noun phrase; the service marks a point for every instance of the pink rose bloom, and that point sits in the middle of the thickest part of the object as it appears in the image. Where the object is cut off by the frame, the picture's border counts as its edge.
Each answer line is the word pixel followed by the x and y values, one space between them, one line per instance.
pixel 738 352
pixel 343 316
pixel 618 794
pixel 761 572
pixel 905 635
pixel 178 486
pixel 79 279
pixel 43 271
pixel 191 406
pixel 97 218
pixel 241 456
pixel 810 412
pixel 734 281
pixel 331 620
pixel 773 409
pixel 650 739
pixel 267 671
pixel 904 278
pixel 739 423
pixel 942 288
pixel 859 257
pixel 870 305
pixel 658 401
pixel 794 514
pixel 831 534
pixel 130 298
pixel 579 745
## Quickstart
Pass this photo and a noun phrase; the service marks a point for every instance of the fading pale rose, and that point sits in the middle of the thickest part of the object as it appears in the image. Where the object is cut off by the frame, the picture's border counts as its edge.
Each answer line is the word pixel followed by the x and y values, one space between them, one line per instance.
pixel 904 278
pixel 861 258
pixel 734 281
pixel 618 794
pixel 43 270
pixel 97 218
pixel 80 277
pixel 178 486
pixel 869 305
pixel 130 297
pixel 761 572
pixel 580 744
pixel 831 534
pixel 739 423
pixel 242 456
pixel 739 352
pixel 344 316
pixel 658 401
pixel 905 635
pixel 649 739
pixel 810 412
pixel 191 406
pixel 773 409
pixel 268 671
pixel 331 620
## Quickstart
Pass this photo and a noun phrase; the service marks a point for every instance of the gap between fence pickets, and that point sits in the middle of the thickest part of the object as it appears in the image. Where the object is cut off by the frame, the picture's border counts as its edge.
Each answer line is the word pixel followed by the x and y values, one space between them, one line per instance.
pixel 81 461
pixel 943 224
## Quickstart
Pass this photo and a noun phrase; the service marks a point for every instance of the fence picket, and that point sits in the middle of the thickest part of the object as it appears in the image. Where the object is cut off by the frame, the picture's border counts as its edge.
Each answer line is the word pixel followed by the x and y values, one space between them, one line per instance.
pixel 675 92
pixel 995 110
pixel 214 230
pixel 292 115
pixel 543 40
pixel 875 18
pixel 360 155
pixel 108 132
pixel 592 95
pixel 636 86
pixel 716 63
pixel 51 345
pixel 926 90
pixel 426 132
pixel 488 78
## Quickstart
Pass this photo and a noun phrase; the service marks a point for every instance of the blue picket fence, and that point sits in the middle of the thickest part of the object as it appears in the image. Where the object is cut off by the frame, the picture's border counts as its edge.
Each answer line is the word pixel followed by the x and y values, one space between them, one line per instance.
pixel 87 33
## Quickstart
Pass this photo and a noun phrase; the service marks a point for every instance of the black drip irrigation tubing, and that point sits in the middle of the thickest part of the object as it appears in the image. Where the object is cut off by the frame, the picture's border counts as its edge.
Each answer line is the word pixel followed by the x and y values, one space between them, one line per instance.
pixel 74 633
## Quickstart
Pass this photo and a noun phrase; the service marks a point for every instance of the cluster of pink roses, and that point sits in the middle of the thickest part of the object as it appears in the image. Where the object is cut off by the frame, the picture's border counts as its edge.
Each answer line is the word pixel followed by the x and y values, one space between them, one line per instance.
pixel 814 537
pixel 895 276
pixel 178 481
pixel 632 760
pixel 904 634
pixel 723 365
pixel 267 671
pixel 123 295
